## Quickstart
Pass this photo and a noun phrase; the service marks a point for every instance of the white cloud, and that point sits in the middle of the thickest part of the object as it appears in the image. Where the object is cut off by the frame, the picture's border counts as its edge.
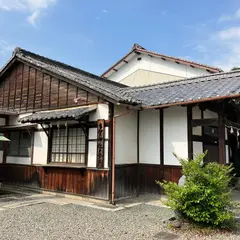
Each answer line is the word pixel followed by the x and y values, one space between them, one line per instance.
pixel 104 11
pixel 33 17
pixel 33 7
pixel 226 48
pixel 200 48
pixel 230 17
pixel 5 47
pixel 232 33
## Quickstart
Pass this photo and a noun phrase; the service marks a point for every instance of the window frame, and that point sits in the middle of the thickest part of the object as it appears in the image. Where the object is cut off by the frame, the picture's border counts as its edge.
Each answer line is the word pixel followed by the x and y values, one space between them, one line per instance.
pixel 67 153
pixel 31 132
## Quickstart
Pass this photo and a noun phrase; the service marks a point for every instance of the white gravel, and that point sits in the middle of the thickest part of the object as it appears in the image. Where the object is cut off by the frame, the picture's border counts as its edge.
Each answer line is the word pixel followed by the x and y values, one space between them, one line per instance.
pixel 50 221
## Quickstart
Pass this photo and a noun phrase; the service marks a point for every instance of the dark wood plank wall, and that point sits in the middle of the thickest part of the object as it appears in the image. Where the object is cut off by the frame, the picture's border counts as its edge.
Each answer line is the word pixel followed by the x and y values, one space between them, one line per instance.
pixel 126 183
pixel 76 181
pixel 25 88
pixel 126 180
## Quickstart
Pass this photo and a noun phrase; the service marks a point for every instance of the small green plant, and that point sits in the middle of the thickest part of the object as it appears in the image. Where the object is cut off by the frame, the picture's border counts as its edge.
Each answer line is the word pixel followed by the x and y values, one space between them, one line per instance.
pixel 205 197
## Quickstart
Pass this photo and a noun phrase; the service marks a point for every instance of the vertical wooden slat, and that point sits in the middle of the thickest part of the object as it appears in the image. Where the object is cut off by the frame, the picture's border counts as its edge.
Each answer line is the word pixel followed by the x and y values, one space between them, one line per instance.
pixel 35 86
pixel 21 94
pixel 28 79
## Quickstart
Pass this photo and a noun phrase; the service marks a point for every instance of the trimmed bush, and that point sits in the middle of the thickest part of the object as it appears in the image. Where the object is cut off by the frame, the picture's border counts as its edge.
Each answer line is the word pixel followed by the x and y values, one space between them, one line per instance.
pixel 205 197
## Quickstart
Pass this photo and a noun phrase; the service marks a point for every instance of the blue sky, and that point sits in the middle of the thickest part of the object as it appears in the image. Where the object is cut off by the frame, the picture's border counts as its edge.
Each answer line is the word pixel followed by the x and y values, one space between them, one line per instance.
pixel 93 34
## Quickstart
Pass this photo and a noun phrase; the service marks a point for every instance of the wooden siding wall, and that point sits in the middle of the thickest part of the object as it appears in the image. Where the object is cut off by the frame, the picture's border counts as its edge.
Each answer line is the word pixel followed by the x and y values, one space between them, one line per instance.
pixel 149 174
pixel 24 88
pixel 77 181
pixel 143 176
pixel 126 181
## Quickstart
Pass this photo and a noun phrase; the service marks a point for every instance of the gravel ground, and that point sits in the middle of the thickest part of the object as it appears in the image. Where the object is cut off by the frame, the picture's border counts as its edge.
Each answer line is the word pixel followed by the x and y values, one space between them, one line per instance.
pixel 50 221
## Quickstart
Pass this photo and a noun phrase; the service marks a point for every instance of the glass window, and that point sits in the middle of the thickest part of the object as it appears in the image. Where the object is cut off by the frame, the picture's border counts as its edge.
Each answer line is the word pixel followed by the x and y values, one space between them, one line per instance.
pixel 68 145
pixel 20 144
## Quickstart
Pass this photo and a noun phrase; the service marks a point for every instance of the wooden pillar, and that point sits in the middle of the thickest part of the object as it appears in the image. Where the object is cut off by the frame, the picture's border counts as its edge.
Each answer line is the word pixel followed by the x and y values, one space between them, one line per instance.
pixel 5 144
pixel 189 127
pixel 110 148
pixel 221 138
pixel 161 137
pixel 138 149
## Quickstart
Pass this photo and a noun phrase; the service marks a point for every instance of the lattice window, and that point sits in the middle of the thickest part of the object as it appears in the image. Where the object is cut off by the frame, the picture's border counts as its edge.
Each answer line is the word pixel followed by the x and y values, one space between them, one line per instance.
pixel 20 144
pixel 68 145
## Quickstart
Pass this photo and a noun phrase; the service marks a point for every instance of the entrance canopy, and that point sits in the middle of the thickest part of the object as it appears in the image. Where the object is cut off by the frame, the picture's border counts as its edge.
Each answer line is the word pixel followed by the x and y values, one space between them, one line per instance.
pixel 74 113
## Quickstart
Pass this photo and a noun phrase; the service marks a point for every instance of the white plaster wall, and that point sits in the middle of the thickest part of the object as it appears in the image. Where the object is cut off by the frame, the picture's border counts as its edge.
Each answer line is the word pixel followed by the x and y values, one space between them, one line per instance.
pixel 19 160
pixel 106 154
pixel 92 134
pixel 126 136
pixel 101 113
pixel 175 134
pixel 227 154
pixel 92 148
pixel 154 64
pixel 40 148
pixel 1 156
pixel 2 121
pixel 92 154
pixel 196 114
pixel 197 148
pixel 149 137
pixel 13 120
pixel 209 114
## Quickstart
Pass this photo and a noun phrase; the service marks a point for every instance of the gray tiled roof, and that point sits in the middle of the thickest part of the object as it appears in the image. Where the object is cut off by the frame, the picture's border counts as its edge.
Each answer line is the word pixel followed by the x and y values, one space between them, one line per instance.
pixel 208 87
pixel 109 89
pixel 192 89
pixel 67 113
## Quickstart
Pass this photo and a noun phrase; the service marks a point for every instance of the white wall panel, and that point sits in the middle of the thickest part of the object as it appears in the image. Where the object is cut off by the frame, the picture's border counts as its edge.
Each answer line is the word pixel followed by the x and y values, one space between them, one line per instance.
pixel 209 114
pixel 1 156
pixel 126 136
pixel 227 154
pixel 40 150
pixel 197 148
pixel 175 134
pixel 101 113
pixel 92 153
pixel 19 160
pixel 2 121
pixel 92 133
pixel 149 137
pixel 106 154
pixel 196 113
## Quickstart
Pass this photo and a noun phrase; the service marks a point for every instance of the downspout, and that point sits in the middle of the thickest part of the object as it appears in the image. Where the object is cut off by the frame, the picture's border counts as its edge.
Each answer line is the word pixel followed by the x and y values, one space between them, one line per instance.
pixel 113 154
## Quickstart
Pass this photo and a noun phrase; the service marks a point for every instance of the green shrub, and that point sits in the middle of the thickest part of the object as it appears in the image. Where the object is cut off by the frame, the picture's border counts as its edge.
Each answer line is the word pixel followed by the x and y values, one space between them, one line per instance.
pixel 205 197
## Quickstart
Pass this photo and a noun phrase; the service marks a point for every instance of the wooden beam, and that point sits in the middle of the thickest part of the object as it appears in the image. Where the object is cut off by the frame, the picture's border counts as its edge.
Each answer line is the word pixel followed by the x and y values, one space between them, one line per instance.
pixel 221 138
pixel 204 122
pixel 125 61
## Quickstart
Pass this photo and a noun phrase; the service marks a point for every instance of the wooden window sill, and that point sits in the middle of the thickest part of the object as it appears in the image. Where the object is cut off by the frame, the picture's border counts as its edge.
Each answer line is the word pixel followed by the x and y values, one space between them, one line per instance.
pixel 64 165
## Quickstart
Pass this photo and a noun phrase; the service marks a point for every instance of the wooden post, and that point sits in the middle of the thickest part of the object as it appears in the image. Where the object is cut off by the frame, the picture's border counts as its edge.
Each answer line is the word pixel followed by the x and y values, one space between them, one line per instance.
pixel 161 137
pixel 189 127
pixel 221 138
pixel 138 168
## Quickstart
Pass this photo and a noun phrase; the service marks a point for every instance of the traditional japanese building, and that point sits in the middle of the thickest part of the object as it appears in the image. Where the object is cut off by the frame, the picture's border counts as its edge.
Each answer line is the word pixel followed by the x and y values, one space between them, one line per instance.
pixel 75 132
